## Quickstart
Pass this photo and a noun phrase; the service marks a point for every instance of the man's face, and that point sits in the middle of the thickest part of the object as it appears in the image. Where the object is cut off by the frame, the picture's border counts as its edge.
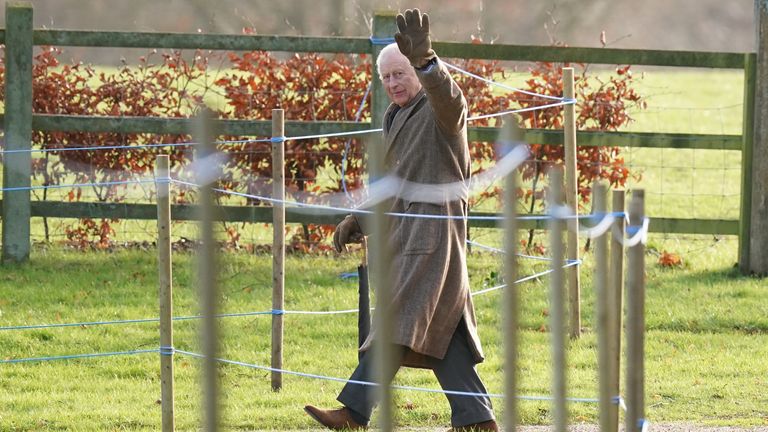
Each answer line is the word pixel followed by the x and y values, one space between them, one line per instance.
pixel 399 79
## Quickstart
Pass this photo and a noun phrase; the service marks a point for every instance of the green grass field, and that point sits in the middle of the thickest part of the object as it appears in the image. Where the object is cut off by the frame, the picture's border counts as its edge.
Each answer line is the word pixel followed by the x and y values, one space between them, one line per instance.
pixel 690 183
pixel 706 326
pixel 706 333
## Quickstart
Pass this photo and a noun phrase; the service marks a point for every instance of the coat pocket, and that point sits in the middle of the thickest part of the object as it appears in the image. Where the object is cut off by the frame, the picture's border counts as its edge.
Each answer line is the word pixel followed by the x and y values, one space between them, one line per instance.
pixel 422 234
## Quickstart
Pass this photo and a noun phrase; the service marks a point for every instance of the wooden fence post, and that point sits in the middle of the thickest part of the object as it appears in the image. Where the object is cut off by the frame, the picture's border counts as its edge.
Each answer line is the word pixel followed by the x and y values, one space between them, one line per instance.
pixel 603 305
pixel 207 268
pixel 381 269
pixel 747 158
pixel 572 200
pixel 635 328
pixel 278 244
pixel 511 137
pixel 162 178
pixel 758 236
pixel 17 167
pixel 384 28
pixel 556 300
pixel 615 305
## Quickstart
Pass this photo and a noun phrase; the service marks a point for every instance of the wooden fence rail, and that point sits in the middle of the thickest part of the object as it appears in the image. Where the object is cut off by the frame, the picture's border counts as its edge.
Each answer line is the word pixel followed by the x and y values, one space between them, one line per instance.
pixel 178 126
pixel 359 45
pixel 187 212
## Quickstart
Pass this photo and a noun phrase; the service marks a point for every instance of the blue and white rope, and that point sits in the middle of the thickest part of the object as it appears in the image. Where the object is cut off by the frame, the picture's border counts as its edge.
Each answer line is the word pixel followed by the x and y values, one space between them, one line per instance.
pixel 130 146
pixel 569 263
pixel 500 85
pixel 77 356
pixel 373 384
pixel 78 185
pixel 521 110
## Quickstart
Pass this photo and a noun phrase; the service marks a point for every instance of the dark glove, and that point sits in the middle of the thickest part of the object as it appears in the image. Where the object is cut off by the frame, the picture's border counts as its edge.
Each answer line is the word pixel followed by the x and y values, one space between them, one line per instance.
pixel 347 231
pixel 413 37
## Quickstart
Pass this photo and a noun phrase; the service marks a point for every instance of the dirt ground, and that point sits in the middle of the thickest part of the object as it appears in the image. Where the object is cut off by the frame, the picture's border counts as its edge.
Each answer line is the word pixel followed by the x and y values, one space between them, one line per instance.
pixel 659 427
pixel 662 427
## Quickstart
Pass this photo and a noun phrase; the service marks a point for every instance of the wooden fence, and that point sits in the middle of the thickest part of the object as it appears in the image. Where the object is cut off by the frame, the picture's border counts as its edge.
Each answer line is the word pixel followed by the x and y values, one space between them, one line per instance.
pixel 20 38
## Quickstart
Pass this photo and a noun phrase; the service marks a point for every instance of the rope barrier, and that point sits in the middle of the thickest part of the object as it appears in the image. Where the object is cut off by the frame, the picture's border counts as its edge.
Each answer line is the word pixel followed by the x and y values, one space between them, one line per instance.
pixel 502 251
pixel 522 110
pixel 569 263
pixel 644 425
pixel 336 312
pixel 620 401
pixel 86 148
pixel 604 224
pixel 130 146
pixel 392 186
pixel 78 185
pixel 332 135
pixel 129 321
pixel 78 356
pixel 169 351
pixel 382 41
pixel 562 212
pixel 347 145
pixel 498 84
pixel 368 383
pixel 639 233
pixel 334 209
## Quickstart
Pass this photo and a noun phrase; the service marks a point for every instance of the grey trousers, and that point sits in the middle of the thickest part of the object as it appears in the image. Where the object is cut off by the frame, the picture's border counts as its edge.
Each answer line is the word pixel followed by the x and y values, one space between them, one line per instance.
pixel 456 371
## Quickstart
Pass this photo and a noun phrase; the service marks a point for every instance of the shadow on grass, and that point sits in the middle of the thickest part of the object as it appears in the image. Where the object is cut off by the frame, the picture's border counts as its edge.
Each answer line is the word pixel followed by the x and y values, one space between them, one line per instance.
pixel 706 301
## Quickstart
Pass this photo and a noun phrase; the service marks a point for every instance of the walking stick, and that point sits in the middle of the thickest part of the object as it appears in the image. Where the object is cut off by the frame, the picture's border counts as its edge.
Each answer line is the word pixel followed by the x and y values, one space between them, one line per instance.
pixel 364 302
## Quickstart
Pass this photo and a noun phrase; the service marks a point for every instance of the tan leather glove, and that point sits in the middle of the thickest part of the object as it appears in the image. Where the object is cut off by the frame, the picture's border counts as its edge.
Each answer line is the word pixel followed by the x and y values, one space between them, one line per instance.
pixel 347 231
pixel 413 37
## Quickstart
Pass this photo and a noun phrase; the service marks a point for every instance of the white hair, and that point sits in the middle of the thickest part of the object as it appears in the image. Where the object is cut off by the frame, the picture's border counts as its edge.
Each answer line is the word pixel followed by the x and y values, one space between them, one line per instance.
pixel 387 51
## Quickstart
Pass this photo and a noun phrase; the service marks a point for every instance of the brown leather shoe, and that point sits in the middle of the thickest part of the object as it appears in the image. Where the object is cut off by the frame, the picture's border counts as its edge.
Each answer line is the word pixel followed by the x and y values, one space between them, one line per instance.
pixel 489 425
pixel 336 419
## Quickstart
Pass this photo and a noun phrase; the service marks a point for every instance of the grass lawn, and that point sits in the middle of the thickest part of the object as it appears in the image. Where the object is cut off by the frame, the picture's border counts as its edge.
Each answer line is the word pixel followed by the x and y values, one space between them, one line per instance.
pixel 706 331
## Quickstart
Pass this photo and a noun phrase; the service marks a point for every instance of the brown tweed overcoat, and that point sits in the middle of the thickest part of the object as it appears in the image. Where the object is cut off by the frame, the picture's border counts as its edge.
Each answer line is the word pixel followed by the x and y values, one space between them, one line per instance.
pixel 426 142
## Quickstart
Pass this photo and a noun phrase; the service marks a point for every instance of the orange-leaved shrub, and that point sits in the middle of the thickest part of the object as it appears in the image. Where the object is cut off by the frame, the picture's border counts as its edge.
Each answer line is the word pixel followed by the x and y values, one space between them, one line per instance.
pixel 308 87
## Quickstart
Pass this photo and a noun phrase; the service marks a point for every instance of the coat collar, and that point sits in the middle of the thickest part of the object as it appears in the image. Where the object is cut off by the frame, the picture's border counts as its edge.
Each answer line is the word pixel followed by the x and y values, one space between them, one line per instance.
pixel 401 115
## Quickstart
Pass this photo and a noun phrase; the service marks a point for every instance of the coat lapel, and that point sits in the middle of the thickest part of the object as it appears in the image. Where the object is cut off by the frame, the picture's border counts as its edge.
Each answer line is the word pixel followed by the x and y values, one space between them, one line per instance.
pixel 402 116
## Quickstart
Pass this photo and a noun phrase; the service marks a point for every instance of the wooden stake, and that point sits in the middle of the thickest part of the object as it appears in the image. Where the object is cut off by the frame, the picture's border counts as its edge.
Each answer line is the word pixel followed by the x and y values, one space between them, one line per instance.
pixel 748 130
pixel 602 306
pixel 511 137
pixel 381 268
pixel 556 301
pixel 278 244
pixel 207 268
pixel 572 201
pixel 635 318
pixel 17 161
pixel 162 177
pixel 756 173
pixel 383 27
pixel 615 307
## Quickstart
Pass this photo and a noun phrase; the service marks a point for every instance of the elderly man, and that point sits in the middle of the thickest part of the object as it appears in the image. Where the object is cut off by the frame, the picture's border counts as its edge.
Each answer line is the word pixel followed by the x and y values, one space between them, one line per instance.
pixel 434 322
